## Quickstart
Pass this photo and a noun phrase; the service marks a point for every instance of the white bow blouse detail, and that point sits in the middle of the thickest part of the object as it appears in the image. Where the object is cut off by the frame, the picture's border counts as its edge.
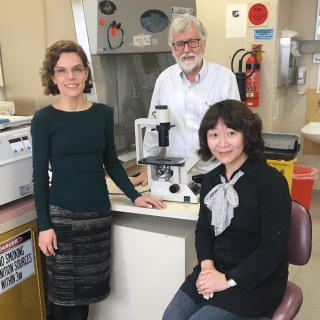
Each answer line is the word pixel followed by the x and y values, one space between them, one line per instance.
pixel 221 201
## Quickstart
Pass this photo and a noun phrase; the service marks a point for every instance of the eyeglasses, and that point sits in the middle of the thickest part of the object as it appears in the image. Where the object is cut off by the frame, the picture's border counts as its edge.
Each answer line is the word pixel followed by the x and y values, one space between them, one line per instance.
pixel 62 72
pixel 192 43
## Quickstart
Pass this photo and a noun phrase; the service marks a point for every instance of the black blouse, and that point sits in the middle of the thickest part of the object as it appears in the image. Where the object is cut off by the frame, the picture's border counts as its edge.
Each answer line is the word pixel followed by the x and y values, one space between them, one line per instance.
pixel 253 248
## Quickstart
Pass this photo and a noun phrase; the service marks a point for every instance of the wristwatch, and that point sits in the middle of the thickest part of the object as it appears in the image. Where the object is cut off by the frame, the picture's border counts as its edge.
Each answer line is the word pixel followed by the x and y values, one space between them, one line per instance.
pixel 230 280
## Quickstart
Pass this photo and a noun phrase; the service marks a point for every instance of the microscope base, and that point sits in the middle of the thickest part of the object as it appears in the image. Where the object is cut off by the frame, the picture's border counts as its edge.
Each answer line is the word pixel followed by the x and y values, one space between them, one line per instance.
pixel 184 194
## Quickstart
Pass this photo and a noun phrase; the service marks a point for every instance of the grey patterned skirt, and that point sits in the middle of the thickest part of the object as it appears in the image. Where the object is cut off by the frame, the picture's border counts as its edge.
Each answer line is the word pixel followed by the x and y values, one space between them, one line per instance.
pixel 79 273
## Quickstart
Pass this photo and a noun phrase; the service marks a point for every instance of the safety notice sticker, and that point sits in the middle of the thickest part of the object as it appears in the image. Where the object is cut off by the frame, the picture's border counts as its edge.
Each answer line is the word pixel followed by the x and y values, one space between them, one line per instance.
pixel 258 14
pixel 141 40
pixel 16 260
pixel 263 34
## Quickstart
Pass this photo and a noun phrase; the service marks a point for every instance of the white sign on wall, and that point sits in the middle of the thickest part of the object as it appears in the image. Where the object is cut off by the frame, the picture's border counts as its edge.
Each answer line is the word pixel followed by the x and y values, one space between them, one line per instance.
pixel 16 260
pixel 177 11
pixel 236 21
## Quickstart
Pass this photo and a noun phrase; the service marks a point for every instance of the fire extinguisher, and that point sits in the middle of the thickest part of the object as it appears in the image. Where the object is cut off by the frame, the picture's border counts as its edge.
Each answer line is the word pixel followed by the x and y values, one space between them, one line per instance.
pixel 253 82
pixel 242 76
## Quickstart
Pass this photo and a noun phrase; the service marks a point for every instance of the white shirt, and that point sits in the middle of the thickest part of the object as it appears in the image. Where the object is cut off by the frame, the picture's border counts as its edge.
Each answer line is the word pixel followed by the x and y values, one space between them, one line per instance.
pixel 188 103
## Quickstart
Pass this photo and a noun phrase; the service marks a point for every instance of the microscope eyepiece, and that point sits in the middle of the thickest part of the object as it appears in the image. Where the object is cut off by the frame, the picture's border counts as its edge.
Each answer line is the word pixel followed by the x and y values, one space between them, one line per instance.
pixel 163 124
pixel 161 107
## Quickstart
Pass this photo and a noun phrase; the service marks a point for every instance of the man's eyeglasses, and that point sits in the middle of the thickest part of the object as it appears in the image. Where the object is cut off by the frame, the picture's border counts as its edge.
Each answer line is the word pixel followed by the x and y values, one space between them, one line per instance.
pixel 62 72
pixel 192 43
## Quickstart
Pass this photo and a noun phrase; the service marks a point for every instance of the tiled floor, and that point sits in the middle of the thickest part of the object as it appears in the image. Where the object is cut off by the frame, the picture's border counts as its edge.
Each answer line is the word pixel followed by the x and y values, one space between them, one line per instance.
pixel 307 277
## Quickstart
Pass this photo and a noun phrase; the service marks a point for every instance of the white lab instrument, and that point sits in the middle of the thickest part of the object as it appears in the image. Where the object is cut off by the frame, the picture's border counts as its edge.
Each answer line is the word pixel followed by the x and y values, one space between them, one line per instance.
pixel 15 158
pixel 168 177
pixel 18 224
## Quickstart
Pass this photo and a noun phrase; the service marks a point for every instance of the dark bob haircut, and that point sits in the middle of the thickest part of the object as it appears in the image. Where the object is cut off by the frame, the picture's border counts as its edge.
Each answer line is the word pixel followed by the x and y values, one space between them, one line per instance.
pixel 51 58
pixel 237 116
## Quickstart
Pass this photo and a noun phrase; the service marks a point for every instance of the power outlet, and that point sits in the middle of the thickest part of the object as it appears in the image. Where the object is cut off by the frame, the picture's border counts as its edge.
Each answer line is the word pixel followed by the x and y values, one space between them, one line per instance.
pixel 6 106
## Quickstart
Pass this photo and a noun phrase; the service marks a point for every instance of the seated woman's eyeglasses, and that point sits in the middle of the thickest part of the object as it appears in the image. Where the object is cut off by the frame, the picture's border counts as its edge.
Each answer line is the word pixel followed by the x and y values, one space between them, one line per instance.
pixel 192 43
pixel 62 72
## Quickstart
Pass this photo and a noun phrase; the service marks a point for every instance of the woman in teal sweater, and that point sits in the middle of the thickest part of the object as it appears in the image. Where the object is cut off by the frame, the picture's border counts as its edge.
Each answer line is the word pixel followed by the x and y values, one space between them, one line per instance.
pixel 76 137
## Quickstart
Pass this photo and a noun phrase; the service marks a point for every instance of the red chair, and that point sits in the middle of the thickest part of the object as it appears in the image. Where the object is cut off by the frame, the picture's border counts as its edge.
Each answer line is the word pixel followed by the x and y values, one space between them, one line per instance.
pixel 299 251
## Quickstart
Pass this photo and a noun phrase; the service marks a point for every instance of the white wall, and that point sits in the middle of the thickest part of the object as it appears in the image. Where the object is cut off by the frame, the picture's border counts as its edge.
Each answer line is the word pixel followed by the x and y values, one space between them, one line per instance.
pixel 297 14
pixel 304 21
pixel 284 21
pixel 219 49
pixel 35 24
pixel 26 29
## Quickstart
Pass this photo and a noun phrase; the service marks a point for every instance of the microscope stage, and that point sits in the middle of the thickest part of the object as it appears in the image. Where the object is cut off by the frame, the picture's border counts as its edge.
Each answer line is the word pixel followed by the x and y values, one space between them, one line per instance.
pixel 169 161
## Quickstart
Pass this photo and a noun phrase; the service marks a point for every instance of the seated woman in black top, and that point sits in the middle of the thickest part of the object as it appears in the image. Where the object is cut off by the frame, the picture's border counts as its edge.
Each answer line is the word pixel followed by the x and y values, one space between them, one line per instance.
pixel 243 225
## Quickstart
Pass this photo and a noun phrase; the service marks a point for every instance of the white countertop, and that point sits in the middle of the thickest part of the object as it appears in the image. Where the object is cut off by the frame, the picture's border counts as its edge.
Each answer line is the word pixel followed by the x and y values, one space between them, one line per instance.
pixel 178 210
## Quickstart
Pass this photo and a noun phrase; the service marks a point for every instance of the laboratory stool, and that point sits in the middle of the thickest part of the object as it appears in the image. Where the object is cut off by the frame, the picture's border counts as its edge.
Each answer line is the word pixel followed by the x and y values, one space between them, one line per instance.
pixel 299 251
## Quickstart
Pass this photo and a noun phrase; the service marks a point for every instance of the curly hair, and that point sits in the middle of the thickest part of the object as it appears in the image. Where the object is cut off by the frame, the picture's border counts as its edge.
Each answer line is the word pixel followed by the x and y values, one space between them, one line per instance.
pixel 237 116
pixel 52 56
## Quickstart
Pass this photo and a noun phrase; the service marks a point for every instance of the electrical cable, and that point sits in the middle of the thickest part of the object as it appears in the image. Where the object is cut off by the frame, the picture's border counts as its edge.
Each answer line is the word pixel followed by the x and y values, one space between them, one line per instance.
pixel 118 27
pixel 122 194
pixel 240 63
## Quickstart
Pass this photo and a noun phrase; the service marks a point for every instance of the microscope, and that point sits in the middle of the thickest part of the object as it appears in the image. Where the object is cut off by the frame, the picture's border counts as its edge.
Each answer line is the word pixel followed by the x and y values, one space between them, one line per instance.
pixel 169 178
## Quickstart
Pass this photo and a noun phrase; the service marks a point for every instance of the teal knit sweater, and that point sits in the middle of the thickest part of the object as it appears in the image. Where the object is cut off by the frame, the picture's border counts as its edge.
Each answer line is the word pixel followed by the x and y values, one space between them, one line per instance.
pixel 77 145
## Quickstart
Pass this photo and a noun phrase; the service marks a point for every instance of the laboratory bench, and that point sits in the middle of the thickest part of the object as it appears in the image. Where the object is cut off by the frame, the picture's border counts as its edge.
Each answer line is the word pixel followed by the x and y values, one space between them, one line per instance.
pixel 152 252
pixel 178 210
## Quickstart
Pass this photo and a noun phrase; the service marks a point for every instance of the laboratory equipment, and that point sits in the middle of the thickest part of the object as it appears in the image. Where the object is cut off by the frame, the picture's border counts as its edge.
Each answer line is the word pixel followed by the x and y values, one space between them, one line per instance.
pixel 168 177
pixel 21 285
pixel 253 81
pixel 15 158
pixel 287 62
pixel 281 146
pixel 7 108
pixel 290 49
pixel 127 45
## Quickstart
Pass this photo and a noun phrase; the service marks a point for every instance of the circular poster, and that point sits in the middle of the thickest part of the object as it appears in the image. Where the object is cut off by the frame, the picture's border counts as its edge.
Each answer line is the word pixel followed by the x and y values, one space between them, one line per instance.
pixel 258 14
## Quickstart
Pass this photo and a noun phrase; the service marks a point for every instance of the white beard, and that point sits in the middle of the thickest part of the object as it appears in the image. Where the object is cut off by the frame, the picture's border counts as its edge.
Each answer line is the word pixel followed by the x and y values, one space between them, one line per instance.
pixel 189 66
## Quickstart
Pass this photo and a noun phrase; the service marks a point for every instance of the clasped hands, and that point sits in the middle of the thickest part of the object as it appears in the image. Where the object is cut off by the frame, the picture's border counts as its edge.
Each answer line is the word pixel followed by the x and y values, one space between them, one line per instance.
pixel 211 281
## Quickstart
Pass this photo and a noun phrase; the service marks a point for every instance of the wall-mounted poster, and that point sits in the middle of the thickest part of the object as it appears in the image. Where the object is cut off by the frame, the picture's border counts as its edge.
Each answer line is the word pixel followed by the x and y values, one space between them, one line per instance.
pixel 236 21
pixel 258 14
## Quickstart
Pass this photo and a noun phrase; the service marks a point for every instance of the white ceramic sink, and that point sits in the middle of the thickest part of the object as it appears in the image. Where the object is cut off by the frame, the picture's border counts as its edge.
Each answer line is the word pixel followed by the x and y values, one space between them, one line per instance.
pixel 312 131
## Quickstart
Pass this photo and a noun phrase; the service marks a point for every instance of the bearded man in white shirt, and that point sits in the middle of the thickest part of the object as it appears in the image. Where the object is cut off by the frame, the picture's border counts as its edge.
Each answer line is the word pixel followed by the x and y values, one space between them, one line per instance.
pixel 188 88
